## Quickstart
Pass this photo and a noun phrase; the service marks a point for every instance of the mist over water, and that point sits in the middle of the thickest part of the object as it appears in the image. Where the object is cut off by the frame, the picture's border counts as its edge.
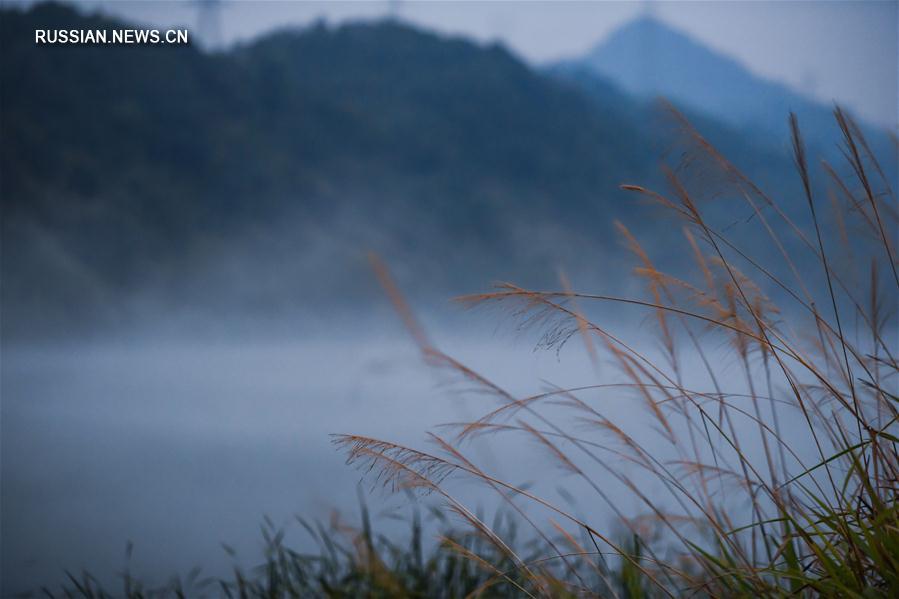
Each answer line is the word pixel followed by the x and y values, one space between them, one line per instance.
pixel 180 445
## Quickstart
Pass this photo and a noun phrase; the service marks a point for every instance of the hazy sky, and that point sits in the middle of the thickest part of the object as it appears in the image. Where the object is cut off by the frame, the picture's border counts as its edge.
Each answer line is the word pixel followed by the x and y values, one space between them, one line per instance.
pixel 834 50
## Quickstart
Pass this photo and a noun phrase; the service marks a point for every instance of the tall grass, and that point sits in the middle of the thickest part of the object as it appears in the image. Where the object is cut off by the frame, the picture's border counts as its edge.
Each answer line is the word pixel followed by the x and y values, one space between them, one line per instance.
pixel 777 464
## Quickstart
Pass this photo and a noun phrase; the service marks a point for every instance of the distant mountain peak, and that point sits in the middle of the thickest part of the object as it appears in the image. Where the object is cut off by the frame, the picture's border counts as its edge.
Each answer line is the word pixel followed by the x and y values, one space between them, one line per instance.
pixel 648 28
pixel 648 24
pixel 648 58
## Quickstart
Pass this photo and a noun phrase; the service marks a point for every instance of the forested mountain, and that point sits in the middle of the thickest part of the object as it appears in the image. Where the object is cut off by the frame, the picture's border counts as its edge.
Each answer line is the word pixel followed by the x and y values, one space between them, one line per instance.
pixel 648 58
pixel 257 178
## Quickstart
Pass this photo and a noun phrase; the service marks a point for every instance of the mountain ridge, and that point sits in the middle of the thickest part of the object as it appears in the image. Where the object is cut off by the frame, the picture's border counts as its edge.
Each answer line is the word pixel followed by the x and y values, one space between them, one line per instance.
pixel 648 57
pixel 257 178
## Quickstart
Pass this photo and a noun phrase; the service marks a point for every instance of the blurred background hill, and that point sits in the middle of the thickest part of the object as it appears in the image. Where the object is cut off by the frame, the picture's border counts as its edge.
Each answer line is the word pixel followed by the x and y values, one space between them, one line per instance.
pixel 255 179
pixel 649 59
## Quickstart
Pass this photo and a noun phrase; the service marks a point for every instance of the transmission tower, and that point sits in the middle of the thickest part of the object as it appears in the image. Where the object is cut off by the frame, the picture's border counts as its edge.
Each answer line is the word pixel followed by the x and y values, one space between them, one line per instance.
pixel 393 9
pixel 209 23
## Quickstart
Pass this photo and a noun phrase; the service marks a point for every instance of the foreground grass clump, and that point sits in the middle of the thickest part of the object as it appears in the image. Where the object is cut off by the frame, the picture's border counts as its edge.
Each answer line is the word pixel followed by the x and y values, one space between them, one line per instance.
pixel 350 562
pixel 777 460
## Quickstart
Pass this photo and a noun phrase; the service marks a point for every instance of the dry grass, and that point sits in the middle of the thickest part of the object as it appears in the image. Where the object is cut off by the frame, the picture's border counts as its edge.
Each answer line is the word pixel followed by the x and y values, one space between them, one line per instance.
pixel 781 479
